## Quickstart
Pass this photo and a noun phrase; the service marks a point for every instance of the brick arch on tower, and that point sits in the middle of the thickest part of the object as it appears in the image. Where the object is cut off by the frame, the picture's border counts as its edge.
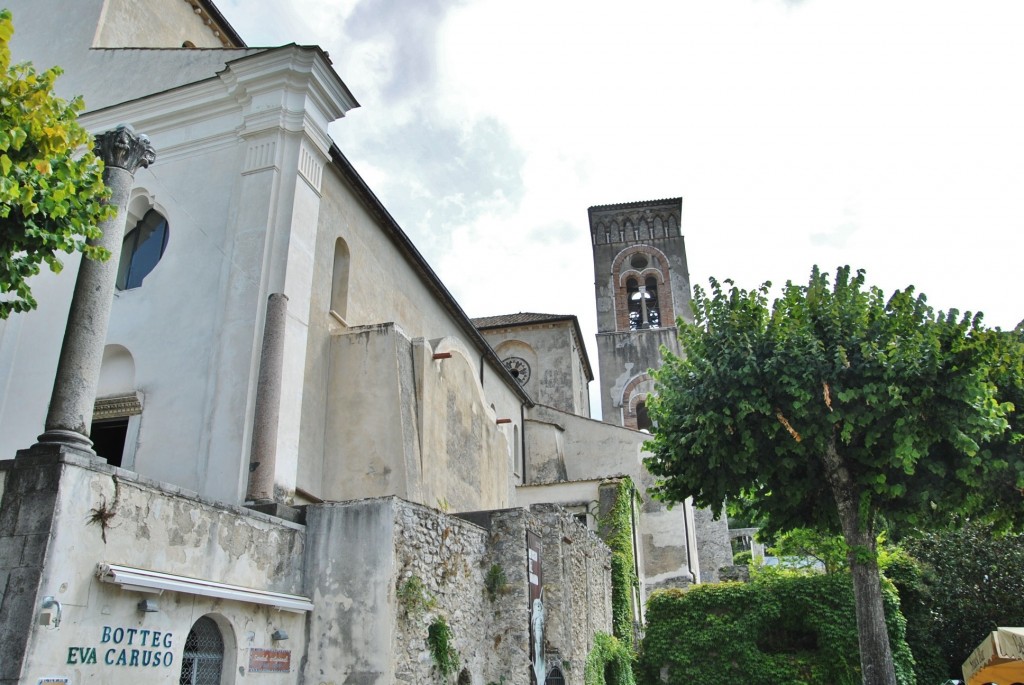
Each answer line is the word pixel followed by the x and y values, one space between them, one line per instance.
pixel 657 267
pixel 637 390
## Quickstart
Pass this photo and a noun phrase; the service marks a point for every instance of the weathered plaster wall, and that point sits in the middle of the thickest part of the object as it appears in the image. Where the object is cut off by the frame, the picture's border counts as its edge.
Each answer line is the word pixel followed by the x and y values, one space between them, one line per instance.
pixel 61 517
pixel 404 423
pixel 591 449
pixel 385 292
pixel 350 567
pixel 557 377
pixel 152 24
pixel 623 357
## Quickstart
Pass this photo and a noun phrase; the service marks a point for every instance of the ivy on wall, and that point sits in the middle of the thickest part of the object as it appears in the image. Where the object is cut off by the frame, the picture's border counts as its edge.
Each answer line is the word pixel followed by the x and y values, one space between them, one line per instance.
pixel 610 662
pixel 617 532
pixel 779 628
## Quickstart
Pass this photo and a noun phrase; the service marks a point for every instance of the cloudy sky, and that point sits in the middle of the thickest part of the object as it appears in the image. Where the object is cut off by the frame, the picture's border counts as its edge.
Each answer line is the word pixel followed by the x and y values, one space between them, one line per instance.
pixel 884 134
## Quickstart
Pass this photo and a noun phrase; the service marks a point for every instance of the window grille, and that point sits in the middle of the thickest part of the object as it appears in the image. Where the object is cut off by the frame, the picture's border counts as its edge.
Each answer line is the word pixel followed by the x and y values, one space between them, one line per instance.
pixel 204 654
pixel 555 677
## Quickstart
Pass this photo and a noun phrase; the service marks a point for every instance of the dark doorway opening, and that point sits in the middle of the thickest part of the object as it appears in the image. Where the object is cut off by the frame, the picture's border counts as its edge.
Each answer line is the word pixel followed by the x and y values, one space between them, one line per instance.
pixel 108 438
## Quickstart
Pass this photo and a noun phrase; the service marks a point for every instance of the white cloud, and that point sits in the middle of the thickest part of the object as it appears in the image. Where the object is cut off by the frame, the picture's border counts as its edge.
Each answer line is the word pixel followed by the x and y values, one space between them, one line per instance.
pixel 883 135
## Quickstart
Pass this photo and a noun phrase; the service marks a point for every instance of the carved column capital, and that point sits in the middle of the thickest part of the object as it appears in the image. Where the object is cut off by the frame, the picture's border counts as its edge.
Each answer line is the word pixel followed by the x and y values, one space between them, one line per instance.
pixel 123 148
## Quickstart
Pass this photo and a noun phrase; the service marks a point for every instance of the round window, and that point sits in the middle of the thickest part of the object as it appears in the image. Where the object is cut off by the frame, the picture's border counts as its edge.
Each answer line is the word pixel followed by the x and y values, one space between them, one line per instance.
pixel 639 261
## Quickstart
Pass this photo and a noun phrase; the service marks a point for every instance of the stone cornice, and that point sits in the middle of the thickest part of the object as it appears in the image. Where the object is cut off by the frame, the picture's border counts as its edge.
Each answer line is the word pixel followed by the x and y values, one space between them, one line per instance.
pixel 291 88
pixel 117 406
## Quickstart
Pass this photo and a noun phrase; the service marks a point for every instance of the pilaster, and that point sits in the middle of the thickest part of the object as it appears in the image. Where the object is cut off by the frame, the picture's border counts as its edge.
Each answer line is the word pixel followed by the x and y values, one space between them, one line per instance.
pixel 287 98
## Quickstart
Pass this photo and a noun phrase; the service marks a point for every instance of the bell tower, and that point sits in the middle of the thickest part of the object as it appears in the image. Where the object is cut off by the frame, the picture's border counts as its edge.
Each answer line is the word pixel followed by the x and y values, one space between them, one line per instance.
pixel 642 284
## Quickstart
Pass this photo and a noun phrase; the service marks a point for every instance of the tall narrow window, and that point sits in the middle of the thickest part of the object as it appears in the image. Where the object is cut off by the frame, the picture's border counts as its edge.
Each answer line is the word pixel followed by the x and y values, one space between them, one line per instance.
pixel 653 314
pixel 635 305
pixel 643 419
pixel 143 247
pixel 204 654
pixel 339 279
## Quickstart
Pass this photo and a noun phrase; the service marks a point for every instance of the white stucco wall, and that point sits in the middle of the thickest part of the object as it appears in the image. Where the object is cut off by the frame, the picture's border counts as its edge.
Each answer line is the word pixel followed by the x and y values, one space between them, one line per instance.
pixel 99 638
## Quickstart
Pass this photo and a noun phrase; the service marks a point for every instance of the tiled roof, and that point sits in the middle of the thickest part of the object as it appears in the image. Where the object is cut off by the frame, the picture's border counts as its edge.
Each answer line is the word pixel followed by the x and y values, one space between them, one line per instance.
pixel 518 319
pixel 635 205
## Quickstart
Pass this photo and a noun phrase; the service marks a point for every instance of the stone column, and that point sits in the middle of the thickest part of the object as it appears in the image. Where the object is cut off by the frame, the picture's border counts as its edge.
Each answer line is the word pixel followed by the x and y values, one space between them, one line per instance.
pixel 69 418
pixel 263 458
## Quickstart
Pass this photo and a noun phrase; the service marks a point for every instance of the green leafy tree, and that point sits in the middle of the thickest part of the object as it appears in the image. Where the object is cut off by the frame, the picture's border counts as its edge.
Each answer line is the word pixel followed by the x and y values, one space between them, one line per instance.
pixel 804 547
pixel 51 185
pixel 829 410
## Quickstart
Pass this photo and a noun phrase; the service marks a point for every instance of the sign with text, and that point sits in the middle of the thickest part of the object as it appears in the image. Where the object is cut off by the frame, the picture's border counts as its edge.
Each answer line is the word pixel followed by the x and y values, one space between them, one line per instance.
pixel 132 647
pixel 270 660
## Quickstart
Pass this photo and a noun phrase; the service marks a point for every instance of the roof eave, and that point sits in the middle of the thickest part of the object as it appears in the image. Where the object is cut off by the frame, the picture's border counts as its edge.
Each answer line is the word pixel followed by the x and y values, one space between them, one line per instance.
pixel 395 233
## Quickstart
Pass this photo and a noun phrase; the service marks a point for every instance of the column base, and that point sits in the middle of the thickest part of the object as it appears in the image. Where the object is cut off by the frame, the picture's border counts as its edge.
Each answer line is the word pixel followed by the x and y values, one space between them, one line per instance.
pixel 73 440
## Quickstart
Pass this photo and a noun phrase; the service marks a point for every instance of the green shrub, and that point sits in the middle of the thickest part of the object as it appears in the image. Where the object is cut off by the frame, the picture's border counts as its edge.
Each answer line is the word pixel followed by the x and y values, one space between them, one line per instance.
pixel 610 662
pixel 442 649
pixel 970 583
pixel 413 595
pixel 779 628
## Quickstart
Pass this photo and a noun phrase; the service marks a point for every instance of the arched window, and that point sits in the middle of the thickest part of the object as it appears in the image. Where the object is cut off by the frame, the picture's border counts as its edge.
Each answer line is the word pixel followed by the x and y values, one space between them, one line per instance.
pixel 339 280
pixel 643 419
pixel 116 412
pixel 142 248
pixel 643 304
pixel 204 654
pixel 555 677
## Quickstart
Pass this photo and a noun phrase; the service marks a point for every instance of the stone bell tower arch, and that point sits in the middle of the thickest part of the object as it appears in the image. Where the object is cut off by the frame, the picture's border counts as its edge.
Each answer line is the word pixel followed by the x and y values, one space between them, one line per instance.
pixel 641 284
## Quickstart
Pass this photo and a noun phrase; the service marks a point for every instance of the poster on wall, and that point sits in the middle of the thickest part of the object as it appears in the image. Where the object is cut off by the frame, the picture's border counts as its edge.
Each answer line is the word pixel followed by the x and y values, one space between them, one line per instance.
pixel 536 577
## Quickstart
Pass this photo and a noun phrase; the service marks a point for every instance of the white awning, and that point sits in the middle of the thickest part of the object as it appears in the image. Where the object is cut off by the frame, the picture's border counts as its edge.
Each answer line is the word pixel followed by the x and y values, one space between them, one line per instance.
pixel 142 580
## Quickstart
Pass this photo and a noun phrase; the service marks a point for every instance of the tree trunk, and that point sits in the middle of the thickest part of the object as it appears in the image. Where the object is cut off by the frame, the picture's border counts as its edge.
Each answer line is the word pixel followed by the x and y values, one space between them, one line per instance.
pixel 876 662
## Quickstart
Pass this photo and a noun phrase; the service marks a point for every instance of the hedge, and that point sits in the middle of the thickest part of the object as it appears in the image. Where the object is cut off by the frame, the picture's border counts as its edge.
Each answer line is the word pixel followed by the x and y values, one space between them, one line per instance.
pixel 779 628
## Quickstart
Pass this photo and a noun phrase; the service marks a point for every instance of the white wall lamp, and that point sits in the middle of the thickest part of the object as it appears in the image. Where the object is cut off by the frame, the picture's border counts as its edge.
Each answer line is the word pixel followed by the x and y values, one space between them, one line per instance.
pixel 148 606
pixel 278 635
pixel 50 619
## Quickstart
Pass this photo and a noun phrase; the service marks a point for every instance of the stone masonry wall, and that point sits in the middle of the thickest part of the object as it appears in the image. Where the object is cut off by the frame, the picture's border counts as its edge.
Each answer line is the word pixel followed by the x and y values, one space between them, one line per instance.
pixel 577 589
pixel 447 555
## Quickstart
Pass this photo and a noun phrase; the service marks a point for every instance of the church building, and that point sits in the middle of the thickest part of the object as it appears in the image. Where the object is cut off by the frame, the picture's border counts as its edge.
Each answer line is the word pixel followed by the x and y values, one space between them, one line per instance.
pixel 296 476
